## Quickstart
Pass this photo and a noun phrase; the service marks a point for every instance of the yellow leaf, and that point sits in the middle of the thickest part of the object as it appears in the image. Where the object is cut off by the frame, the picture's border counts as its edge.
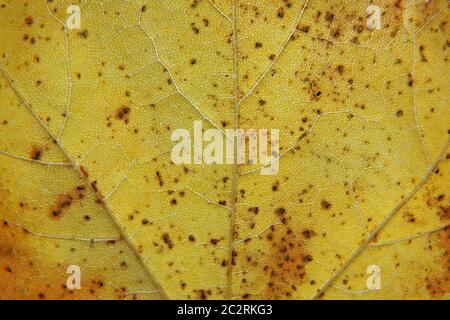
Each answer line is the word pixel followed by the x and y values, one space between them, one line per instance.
pixel 87 112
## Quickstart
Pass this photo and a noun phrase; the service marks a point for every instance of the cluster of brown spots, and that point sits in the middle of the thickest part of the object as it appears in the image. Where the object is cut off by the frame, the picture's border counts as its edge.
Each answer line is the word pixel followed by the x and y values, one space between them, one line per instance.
pixel 64 201
pixel 195 29
pixel 27 37
pixel 166 238
pixel 442 203
pixel 409 217
pixel 312 88
pixel 439 286
pixel 36 153
pixel 360 25
pixel 202 294
pixel 285 265
pixel 96 285
pixel 123 114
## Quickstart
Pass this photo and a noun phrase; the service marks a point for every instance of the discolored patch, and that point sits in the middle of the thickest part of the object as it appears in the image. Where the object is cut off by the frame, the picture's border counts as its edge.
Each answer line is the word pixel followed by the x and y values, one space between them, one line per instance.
pixel 64 202
pixel 201 294
pixel 285 264
pixel 20 265
pixel 438 286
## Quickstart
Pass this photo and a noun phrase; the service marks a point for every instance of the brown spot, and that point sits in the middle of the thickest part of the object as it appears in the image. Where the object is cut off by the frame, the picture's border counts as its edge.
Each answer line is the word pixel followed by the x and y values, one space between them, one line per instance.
pixel 83 34
pixel 410 80
pixel 307 234
pixel 36 153
pixel 123 114
pixel 94 186
pixel 304 29
pixel 29 20
pixel 84 172
pixel 280 211
pixel 325 204
pixel 255 210
pixel 167 240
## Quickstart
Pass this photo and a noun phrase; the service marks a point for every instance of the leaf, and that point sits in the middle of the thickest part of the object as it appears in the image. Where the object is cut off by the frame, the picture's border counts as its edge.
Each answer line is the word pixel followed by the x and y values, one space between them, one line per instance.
pixel 87 179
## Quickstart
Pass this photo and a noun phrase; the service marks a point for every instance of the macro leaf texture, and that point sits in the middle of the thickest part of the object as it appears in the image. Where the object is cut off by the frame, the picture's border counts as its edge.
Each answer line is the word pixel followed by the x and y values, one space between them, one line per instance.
pixel 87 179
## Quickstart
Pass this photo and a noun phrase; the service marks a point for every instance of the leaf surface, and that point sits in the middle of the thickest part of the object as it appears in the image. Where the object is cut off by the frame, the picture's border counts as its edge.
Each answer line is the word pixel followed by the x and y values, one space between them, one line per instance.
pixel 86 177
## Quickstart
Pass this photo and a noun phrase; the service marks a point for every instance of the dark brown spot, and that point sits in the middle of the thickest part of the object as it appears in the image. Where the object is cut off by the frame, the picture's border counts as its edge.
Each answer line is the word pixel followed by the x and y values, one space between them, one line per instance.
pixel 29 20
pixel 325 204
pixel 36 153
pixel 167 240
pixel 123 114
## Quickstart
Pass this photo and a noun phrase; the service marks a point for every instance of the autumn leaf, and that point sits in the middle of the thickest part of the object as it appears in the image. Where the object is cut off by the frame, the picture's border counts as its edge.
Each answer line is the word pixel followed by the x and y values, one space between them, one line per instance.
pixel 86 175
